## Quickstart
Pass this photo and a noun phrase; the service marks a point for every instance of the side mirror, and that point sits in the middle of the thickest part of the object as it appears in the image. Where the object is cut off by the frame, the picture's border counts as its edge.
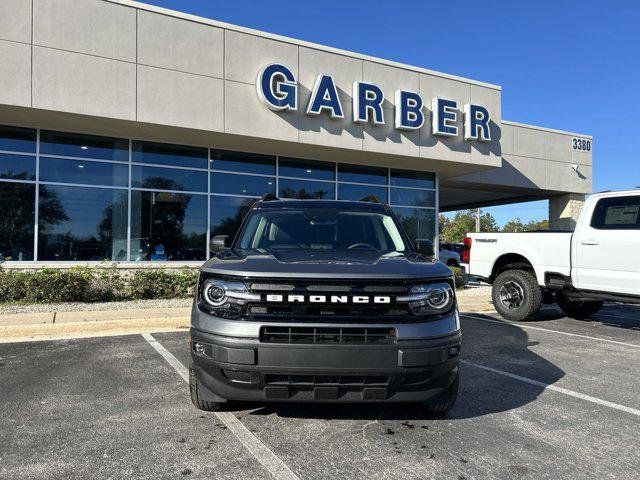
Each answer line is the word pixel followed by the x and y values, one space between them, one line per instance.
pixel 425 247
pixel 217 244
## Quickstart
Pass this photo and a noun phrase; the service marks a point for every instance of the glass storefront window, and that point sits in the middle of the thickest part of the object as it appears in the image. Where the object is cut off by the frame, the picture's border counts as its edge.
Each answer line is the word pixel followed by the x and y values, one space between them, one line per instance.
pixel 16 139
pixel 358 192
pixel 168 226
pixel 169 190
pixel 243 162
pixel 227 214
pixel 17 167
pixel 301 168
pixel 410 178
pixel 86 146
pixel 231 183
pixel 17 204
pixel 413 197
pixel 66 170
pixel 168 178
pixel 172 155
pixel 304 189
pixel 82 223
pixel 362 174
pixel 418 222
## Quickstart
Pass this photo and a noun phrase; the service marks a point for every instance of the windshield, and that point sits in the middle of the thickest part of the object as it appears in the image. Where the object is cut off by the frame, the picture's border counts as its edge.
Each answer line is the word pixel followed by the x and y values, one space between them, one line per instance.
pixel 318 228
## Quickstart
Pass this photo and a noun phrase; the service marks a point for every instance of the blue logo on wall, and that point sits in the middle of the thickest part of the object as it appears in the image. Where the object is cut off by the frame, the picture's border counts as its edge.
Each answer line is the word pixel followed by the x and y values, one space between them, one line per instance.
pixel 278 89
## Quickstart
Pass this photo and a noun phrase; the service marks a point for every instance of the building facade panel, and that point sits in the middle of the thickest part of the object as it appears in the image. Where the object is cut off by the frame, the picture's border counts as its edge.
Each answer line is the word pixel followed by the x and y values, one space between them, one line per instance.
pixel 180 99
pixel 15 20
pixel 78 83
pixel 246 54
pixel 93 27
pixel 15 74
pixel 172 43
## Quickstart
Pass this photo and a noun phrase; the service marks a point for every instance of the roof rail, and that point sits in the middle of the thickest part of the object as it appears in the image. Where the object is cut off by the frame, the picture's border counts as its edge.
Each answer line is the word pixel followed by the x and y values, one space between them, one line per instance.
pixel 371 199
pixel 268 197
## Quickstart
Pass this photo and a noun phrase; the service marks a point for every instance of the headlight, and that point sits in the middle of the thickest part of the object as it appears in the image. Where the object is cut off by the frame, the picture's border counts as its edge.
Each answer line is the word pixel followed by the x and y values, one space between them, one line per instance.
pixel 225 298
pixel 430 299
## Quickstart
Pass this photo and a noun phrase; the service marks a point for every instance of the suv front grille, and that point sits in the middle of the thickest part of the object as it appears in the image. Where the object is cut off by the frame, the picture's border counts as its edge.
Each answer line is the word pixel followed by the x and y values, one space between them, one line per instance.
pixel 328 311
pixel 328 335
pixel 326 380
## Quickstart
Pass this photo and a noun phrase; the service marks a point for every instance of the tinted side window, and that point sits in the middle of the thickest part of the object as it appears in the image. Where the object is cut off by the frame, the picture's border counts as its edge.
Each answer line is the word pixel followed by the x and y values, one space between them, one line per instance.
pixel 622 213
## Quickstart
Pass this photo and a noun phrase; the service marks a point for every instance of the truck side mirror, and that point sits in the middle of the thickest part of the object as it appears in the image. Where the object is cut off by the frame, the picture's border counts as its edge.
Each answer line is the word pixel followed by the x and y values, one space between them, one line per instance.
pixel 425 247
pixel 217 244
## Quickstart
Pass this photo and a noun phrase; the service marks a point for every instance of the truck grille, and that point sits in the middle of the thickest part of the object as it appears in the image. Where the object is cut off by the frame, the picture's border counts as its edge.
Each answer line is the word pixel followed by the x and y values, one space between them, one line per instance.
pixel 346 311
pixel 327 335
pixel 326 380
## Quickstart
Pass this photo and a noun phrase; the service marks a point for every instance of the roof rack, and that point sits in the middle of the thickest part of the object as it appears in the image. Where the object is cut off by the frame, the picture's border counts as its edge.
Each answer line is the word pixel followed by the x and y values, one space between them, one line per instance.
pixel 268 197
pixel 371 199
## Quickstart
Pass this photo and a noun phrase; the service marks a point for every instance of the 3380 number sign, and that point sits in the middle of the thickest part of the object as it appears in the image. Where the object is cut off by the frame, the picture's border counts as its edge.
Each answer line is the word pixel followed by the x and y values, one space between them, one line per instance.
pixel 581 144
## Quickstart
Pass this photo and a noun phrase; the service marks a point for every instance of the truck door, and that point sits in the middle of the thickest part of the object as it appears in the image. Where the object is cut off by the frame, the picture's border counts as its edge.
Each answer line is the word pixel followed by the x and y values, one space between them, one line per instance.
pixel 605 249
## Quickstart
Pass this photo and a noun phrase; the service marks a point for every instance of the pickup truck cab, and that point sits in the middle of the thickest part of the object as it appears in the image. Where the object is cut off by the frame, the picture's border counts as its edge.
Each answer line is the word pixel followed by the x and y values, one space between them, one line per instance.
pixel 579 270
pixel 324 301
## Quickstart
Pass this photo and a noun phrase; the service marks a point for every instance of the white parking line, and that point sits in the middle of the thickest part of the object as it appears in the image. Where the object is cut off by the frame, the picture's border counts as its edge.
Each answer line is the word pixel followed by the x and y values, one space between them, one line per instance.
pixel 269 460
pixel 531 327
pixel 547 386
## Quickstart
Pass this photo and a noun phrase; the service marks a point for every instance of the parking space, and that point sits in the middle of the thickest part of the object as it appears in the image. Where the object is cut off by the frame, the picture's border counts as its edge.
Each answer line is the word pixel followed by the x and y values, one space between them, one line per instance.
pixel 553 398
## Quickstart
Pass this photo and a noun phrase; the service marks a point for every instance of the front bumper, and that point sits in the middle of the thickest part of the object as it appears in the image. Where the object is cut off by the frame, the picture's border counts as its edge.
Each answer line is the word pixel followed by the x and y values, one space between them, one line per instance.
pixel 415 368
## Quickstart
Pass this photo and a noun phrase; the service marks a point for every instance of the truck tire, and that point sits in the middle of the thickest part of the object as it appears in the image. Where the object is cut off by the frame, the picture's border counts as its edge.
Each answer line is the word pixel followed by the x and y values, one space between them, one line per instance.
pixel 201 401
pixel 578 309
pixel 516 295
pixel 441 404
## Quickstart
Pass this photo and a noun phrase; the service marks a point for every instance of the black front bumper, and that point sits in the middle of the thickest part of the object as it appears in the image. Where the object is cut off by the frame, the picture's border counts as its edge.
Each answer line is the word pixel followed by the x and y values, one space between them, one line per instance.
pixel 246 369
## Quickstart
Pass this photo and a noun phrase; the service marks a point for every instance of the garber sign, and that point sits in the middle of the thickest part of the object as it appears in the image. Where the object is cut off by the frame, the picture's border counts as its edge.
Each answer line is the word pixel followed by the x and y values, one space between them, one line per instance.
pixel 278 90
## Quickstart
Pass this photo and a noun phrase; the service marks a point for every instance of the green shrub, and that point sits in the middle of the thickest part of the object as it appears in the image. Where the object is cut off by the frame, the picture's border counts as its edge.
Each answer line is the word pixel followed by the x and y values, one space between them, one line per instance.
pixel 87 284
pixel 145 284
pixel 459 277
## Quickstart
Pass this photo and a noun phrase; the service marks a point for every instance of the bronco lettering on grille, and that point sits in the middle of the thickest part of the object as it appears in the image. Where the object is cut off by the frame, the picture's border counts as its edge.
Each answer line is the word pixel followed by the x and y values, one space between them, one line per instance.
pixel 327 298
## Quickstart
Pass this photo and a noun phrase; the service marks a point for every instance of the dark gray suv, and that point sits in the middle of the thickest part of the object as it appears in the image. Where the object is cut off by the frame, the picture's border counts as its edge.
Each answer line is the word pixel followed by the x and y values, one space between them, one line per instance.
pixel 324 301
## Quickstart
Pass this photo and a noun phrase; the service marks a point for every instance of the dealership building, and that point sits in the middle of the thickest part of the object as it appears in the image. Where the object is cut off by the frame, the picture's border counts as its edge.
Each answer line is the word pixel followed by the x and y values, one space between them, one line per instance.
pixel 132 133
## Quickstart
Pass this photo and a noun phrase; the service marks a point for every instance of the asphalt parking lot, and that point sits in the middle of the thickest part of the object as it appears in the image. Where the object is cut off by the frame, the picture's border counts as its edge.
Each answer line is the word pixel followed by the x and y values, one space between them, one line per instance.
pixel 553 398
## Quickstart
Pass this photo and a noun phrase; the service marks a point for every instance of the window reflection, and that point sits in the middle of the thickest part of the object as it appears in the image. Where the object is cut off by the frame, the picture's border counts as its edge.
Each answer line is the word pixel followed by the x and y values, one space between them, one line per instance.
pixel 306 189
pixel 227 214
pixel 242 184
pixel 82 223
pixel 17 204
pixel 168 226
pixel 243 162
pixel 168 178
pixel 17 167
pixel 301 168
pixel 358 192
pixel 414 198
pixel 16 139
pixel 64 170
pixel 410 178
pixel 418 223
pixel 362 174
pixel 166 154
pixel 87 146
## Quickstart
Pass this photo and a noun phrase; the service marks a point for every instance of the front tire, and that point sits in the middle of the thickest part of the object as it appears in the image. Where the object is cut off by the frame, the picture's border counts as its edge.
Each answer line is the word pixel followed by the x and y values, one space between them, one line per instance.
pixel 441 404
pixel 578 309
pixel 199 396
pixel 516 295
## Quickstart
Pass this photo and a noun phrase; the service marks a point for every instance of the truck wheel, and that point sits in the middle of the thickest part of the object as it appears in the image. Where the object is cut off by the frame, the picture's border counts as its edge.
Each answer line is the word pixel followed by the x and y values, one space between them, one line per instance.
pixel 516 295
pixel 199 400
pixel 445 401
pixel 578 309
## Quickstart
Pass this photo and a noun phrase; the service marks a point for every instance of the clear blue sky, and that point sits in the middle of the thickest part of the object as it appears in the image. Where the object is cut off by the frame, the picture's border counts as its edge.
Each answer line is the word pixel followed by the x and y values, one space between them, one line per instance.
pixel 569 65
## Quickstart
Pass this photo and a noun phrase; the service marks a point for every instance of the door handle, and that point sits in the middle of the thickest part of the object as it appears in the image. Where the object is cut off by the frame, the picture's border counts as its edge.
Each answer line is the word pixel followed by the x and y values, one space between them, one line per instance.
pixel 590 242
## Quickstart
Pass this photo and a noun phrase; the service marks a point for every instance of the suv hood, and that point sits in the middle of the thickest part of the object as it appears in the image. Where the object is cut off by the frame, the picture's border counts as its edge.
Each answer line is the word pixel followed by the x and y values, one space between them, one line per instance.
pixel 335 265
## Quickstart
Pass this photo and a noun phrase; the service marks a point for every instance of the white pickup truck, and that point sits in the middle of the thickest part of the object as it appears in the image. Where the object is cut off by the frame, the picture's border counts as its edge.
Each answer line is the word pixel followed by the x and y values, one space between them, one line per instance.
pixel 579 270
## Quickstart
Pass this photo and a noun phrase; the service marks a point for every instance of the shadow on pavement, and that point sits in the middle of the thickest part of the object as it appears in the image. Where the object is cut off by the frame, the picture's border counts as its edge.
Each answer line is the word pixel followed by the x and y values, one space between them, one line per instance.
pixel 482 392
